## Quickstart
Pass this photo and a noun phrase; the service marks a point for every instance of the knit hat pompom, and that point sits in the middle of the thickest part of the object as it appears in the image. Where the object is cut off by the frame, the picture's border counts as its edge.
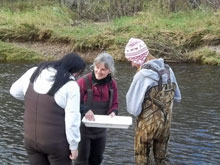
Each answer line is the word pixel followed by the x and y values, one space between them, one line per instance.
pixel 136 51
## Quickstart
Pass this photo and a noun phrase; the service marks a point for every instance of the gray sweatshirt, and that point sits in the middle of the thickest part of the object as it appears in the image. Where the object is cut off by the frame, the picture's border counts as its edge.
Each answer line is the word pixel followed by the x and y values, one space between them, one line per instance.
pixel 143 81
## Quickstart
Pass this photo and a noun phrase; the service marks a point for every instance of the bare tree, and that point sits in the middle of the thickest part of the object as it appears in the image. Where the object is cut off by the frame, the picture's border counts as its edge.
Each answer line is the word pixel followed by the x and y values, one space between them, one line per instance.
pixel 108 9
pixel 176 5
pixel 172 5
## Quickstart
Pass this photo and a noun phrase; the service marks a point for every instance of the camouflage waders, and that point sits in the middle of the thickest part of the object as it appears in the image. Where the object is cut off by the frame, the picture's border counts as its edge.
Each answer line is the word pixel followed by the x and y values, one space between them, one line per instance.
pixel 153 126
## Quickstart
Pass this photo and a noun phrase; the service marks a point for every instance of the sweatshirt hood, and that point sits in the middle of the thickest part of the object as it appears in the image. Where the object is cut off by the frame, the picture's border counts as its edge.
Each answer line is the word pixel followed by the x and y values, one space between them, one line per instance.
pixel 157 64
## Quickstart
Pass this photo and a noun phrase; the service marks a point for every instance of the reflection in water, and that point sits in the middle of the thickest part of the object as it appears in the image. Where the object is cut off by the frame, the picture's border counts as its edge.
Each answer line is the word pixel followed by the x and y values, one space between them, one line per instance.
pixel 195 136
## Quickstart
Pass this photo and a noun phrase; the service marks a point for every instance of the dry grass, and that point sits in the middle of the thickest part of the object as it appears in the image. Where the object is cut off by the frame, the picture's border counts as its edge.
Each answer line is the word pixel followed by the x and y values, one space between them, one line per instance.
pixel 170 36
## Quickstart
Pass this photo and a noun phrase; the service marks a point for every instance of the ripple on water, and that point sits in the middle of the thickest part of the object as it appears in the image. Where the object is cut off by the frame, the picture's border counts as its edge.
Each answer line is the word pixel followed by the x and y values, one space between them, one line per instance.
pixel 195 135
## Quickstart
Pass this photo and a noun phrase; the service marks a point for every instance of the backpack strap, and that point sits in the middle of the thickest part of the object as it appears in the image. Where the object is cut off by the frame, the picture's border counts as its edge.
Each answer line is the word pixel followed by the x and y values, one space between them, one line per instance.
pixel 160 73
pixel 111 94
pixel 167 71
pixel 89 90
pixel 148 66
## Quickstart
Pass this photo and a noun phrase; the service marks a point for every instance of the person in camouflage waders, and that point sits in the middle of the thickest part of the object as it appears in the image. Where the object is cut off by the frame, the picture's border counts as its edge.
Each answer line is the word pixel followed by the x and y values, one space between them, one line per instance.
pixel 150 99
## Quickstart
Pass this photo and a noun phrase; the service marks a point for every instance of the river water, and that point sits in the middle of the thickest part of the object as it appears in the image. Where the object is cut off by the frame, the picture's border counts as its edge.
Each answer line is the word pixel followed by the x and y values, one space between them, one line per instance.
pixel 195 132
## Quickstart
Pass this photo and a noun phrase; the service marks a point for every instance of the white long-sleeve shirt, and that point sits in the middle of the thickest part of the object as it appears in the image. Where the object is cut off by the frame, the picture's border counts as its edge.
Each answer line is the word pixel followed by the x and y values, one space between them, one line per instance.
pixel 67 97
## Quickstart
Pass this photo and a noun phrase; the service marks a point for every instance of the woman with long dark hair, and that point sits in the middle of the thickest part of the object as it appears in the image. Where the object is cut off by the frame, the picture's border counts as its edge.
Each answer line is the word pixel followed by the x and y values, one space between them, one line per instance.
pixel 52 110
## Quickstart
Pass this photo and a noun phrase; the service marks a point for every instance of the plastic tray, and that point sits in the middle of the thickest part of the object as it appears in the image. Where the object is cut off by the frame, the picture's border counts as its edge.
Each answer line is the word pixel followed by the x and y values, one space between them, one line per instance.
pixel 105 121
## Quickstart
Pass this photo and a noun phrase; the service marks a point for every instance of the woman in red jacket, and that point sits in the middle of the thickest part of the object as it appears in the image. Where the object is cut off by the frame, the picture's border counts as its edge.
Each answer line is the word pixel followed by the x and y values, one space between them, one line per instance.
pixel 99 95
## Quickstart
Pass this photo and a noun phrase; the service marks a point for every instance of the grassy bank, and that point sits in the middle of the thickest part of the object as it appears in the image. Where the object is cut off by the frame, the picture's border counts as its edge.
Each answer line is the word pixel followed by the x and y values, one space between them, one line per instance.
pixel 11 52
pixel 175 36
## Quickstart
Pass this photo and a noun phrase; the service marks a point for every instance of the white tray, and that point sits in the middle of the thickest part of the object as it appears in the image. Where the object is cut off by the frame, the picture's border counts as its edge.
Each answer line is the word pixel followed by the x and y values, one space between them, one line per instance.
pixel 105 121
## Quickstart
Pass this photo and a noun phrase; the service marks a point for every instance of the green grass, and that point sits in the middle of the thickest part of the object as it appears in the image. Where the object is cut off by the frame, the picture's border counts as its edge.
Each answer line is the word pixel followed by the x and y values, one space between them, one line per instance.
pixel 192 20
pixel 10 52
pixel 205 56
pixel 169 35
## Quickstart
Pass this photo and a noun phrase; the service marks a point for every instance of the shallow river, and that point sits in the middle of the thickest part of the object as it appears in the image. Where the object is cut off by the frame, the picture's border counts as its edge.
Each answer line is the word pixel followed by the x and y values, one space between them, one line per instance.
pixel 195 132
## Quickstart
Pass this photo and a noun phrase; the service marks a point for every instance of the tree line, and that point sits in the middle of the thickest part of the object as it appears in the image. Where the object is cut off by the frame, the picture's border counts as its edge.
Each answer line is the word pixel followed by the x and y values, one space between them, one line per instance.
pixel 108 9
pixel 105 10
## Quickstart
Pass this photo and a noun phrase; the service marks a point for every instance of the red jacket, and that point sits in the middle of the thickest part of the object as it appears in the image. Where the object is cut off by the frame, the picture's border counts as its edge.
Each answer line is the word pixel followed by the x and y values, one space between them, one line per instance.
pixel 100 93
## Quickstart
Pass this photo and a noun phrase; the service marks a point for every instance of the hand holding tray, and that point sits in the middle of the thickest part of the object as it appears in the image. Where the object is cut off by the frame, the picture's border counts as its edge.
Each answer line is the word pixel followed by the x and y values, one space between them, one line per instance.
pixel 105 121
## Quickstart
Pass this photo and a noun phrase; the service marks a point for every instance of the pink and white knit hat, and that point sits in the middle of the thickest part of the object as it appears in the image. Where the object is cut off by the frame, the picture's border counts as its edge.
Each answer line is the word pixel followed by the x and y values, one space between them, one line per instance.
pixel 136 51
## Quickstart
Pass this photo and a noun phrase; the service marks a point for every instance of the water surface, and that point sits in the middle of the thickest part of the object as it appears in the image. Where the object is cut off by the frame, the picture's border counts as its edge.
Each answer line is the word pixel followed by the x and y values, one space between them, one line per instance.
pixel 195 133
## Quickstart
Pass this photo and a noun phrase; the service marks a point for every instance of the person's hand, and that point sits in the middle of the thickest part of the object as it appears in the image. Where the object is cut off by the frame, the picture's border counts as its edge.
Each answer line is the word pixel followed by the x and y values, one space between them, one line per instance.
pixel 74 154
pixel 112 114
pixel 90 115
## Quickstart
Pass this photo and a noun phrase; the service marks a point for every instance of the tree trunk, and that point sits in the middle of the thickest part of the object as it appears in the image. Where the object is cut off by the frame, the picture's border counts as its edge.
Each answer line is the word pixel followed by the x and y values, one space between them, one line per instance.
pixel 172 5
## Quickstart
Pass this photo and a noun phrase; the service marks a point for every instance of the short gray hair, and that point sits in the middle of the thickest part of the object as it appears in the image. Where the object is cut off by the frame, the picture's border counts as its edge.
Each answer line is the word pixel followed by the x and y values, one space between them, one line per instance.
pixel 107 59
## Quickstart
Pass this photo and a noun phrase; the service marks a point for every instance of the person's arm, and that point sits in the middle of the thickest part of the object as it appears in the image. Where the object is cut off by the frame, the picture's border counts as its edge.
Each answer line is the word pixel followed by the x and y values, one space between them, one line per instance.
pixel 19 87
pixel 114 108
pixel 72 115
pixel 83 109
pixel 136 93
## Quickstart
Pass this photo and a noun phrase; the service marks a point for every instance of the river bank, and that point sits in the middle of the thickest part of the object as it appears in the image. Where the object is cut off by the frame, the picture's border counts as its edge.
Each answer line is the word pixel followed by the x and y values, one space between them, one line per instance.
pixel 49 32
pixel 43 51
pixel 55 51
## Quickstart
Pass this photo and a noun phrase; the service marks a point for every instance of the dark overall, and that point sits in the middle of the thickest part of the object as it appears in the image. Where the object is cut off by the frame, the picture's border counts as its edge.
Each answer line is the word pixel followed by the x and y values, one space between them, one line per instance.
pixel 153 124
pixel 93 140
pixel 44 130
